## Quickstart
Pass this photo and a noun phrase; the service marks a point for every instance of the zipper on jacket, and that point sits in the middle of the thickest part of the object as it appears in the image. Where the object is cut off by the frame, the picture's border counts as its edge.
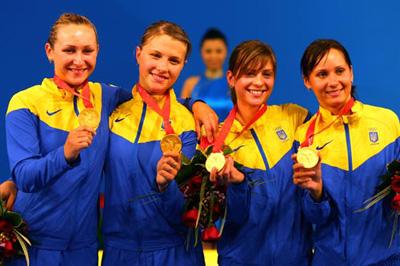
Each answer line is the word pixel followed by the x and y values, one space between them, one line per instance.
pixel 348 177
pixel 264 157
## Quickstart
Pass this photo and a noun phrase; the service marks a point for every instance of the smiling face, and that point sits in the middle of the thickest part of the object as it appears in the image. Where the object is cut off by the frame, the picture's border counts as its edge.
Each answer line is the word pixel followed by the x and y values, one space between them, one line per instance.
pixel 213 53
pixel 331 81
pixel 160 61
pixel 74 53
pixel 253 87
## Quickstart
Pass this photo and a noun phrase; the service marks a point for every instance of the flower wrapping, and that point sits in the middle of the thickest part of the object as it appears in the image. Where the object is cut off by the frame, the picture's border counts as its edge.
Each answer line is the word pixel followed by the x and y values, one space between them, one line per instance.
pixel 13 236
pixel 205 201
pixel 389 188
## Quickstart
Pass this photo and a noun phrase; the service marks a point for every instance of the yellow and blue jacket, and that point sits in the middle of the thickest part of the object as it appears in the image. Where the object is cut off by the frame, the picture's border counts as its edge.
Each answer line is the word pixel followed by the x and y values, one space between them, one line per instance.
pixel 354 150
pixel 275 232
pixel 137 217
pixel 58 200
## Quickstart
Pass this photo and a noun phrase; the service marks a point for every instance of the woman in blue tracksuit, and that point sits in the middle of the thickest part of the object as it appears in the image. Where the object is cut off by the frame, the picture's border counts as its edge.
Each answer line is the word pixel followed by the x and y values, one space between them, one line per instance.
pixel 275 231
pixel 355 141
pixel 55 163
pixel 211 86
pixel 143 205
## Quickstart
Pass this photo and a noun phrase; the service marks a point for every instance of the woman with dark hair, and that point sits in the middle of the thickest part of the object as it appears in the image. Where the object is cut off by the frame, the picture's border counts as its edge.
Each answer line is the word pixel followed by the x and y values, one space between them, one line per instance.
pixel 211 86
pixel 275 231
pixel 355 142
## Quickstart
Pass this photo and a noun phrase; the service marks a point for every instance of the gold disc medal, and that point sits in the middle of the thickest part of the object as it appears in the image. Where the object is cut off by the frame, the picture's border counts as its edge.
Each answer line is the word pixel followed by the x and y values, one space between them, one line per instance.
pixel 171 142
pixel 215 159
pixel 89 117
pixel 308 157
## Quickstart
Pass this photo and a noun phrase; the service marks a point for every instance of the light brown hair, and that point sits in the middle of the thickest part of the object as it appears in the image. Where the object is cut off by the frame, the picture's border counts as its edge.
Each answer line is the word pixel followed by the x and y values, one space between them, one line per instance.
pixel 169 28
pixel 250 56
pixel 66 19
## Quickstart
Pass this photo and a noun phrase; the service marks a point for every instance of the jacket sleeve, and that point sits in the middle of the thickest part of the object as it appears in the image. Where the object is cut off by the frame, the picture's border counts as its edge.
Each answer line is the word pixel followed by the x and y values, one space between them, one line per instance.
pixel 30 169
pixel 238 202
pixel 316 212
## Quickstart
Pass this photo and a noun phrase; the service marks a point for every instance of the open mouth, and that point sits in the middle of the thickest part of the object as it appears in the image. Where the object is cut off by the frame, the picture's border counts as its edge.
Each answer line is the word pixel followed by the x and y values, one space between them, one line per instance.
pixel 256 93
pixel 77 70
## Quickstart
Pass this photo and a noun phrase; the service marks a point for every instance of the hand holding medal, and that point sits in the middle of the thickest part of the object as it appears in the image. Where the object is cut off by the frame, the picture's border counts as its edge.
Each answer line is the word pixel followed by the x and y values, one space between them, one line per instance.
pixel 88 119
pixel 307 167
pixel 216 161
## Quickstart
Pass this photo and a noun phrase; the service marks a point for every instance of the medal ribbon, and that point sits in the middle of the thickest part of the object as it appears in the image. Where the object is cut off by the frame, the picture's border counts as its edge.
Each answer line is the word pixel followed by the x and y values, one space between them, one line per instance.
pixel 310 131
pixel 85 95
pixel 228 124
pixel 164 112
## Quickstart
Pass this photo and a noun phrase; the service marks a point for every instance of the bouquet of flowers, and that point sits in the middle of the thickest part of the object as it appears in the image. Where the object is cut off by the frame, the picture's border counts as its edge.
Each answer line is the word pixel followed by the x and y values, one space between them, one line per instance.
pixel 390 187
pixel 13 239
pixel 205 201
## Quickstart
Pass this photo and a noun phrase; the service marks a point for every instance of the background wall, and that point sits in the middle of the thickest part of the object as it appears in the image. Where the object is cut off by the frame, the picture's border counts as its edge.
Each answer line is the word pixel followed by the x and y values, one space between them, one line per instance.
pixel 368 29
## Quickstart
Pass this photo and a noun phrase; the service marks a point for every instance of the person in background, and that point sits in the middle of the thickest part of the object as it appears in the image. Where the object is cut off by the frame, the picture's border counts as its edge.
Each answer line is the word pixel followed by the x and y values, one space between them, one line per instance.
pixel 355 142
pixel 211 86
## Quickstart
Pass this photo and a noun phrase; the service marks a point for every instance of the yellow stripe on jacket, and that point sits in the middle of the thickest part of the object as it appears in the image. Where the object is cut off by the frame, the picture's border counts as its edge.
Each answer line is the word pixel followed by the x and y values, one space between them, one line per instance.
pixel 371 129
pixel 53 106
pixel 125 120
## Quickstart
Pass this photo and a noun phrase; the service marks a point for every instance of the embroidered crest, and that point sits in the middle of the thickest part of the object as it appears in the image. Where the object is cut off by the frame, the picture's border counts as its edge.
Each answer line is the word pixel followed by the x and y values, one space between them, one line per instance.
pixel 373 136
pixel 281 134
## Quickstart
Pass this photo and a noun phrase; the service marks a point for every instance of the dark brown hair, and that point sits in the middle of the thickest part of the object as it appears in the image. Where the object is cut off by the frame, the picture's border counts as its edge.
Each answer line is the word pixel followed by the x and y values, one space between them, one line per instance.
pixel 316 51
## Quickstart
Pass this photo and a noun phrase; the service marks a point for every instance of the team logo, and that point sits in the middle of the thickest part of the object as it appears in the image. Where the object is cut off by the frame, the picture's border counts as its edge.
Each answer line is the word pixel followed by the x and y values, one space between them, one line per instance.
pixel 281 134
pixel 373 136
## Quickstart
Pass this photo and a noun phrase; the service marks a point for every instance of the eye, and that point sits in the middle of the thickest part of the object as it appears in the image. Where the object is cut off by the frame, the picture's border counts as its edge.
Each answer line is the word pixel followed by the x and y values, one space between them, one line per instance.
pixel 250 73
pixel 69 50
pixel 322 74
pixel 88 51
pixel 340 70
pixel 155 55
pixel 174 61
pixel 267 74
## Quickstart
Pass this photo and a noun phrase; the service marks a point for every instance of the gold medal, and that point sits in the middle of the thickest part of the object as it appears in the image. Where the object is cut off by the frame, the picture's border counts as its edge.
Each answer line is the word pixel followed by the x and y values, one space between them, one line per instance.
pixel 171 142
pixel 308 157
pixel 89 117
pixel 215 159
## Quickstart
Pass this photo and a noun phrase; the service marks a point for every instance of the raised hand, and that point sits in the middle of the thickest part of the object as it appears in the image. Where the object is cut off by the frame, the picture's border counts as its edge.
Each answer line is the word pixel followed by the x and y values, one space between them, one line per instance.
pixel 310 179
pixel 167 168
pixel 77 140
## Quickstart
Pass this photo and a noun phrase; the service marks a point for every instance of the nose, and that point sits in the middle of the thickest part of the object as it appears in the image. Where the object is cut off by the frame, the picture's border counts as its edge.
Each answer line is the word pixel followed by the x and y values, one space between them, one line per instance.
pixel 258 80
pixel 78 58
pixel 162 65
pixel 333 80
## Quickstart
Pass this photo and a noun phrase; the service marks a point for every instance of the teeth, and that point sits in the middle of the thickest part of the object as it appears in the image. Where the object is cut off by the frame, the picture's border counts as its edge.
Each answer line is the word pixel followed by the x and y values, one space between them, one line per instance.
pixel 256 92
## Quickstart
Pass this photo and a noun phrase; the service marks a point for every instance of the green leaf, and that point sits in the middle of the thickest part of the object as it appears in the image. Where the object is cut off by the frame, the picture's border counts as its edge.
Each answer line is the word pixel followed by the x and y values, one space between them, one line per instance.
pixel 14 218
pixel 21 238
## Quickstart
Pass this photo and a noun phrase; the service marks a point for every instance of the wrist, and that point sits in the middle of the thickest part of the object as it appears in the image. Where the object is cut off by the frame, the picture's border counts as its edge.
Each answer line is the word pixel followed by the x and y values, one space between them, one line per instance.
pixel 316 194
